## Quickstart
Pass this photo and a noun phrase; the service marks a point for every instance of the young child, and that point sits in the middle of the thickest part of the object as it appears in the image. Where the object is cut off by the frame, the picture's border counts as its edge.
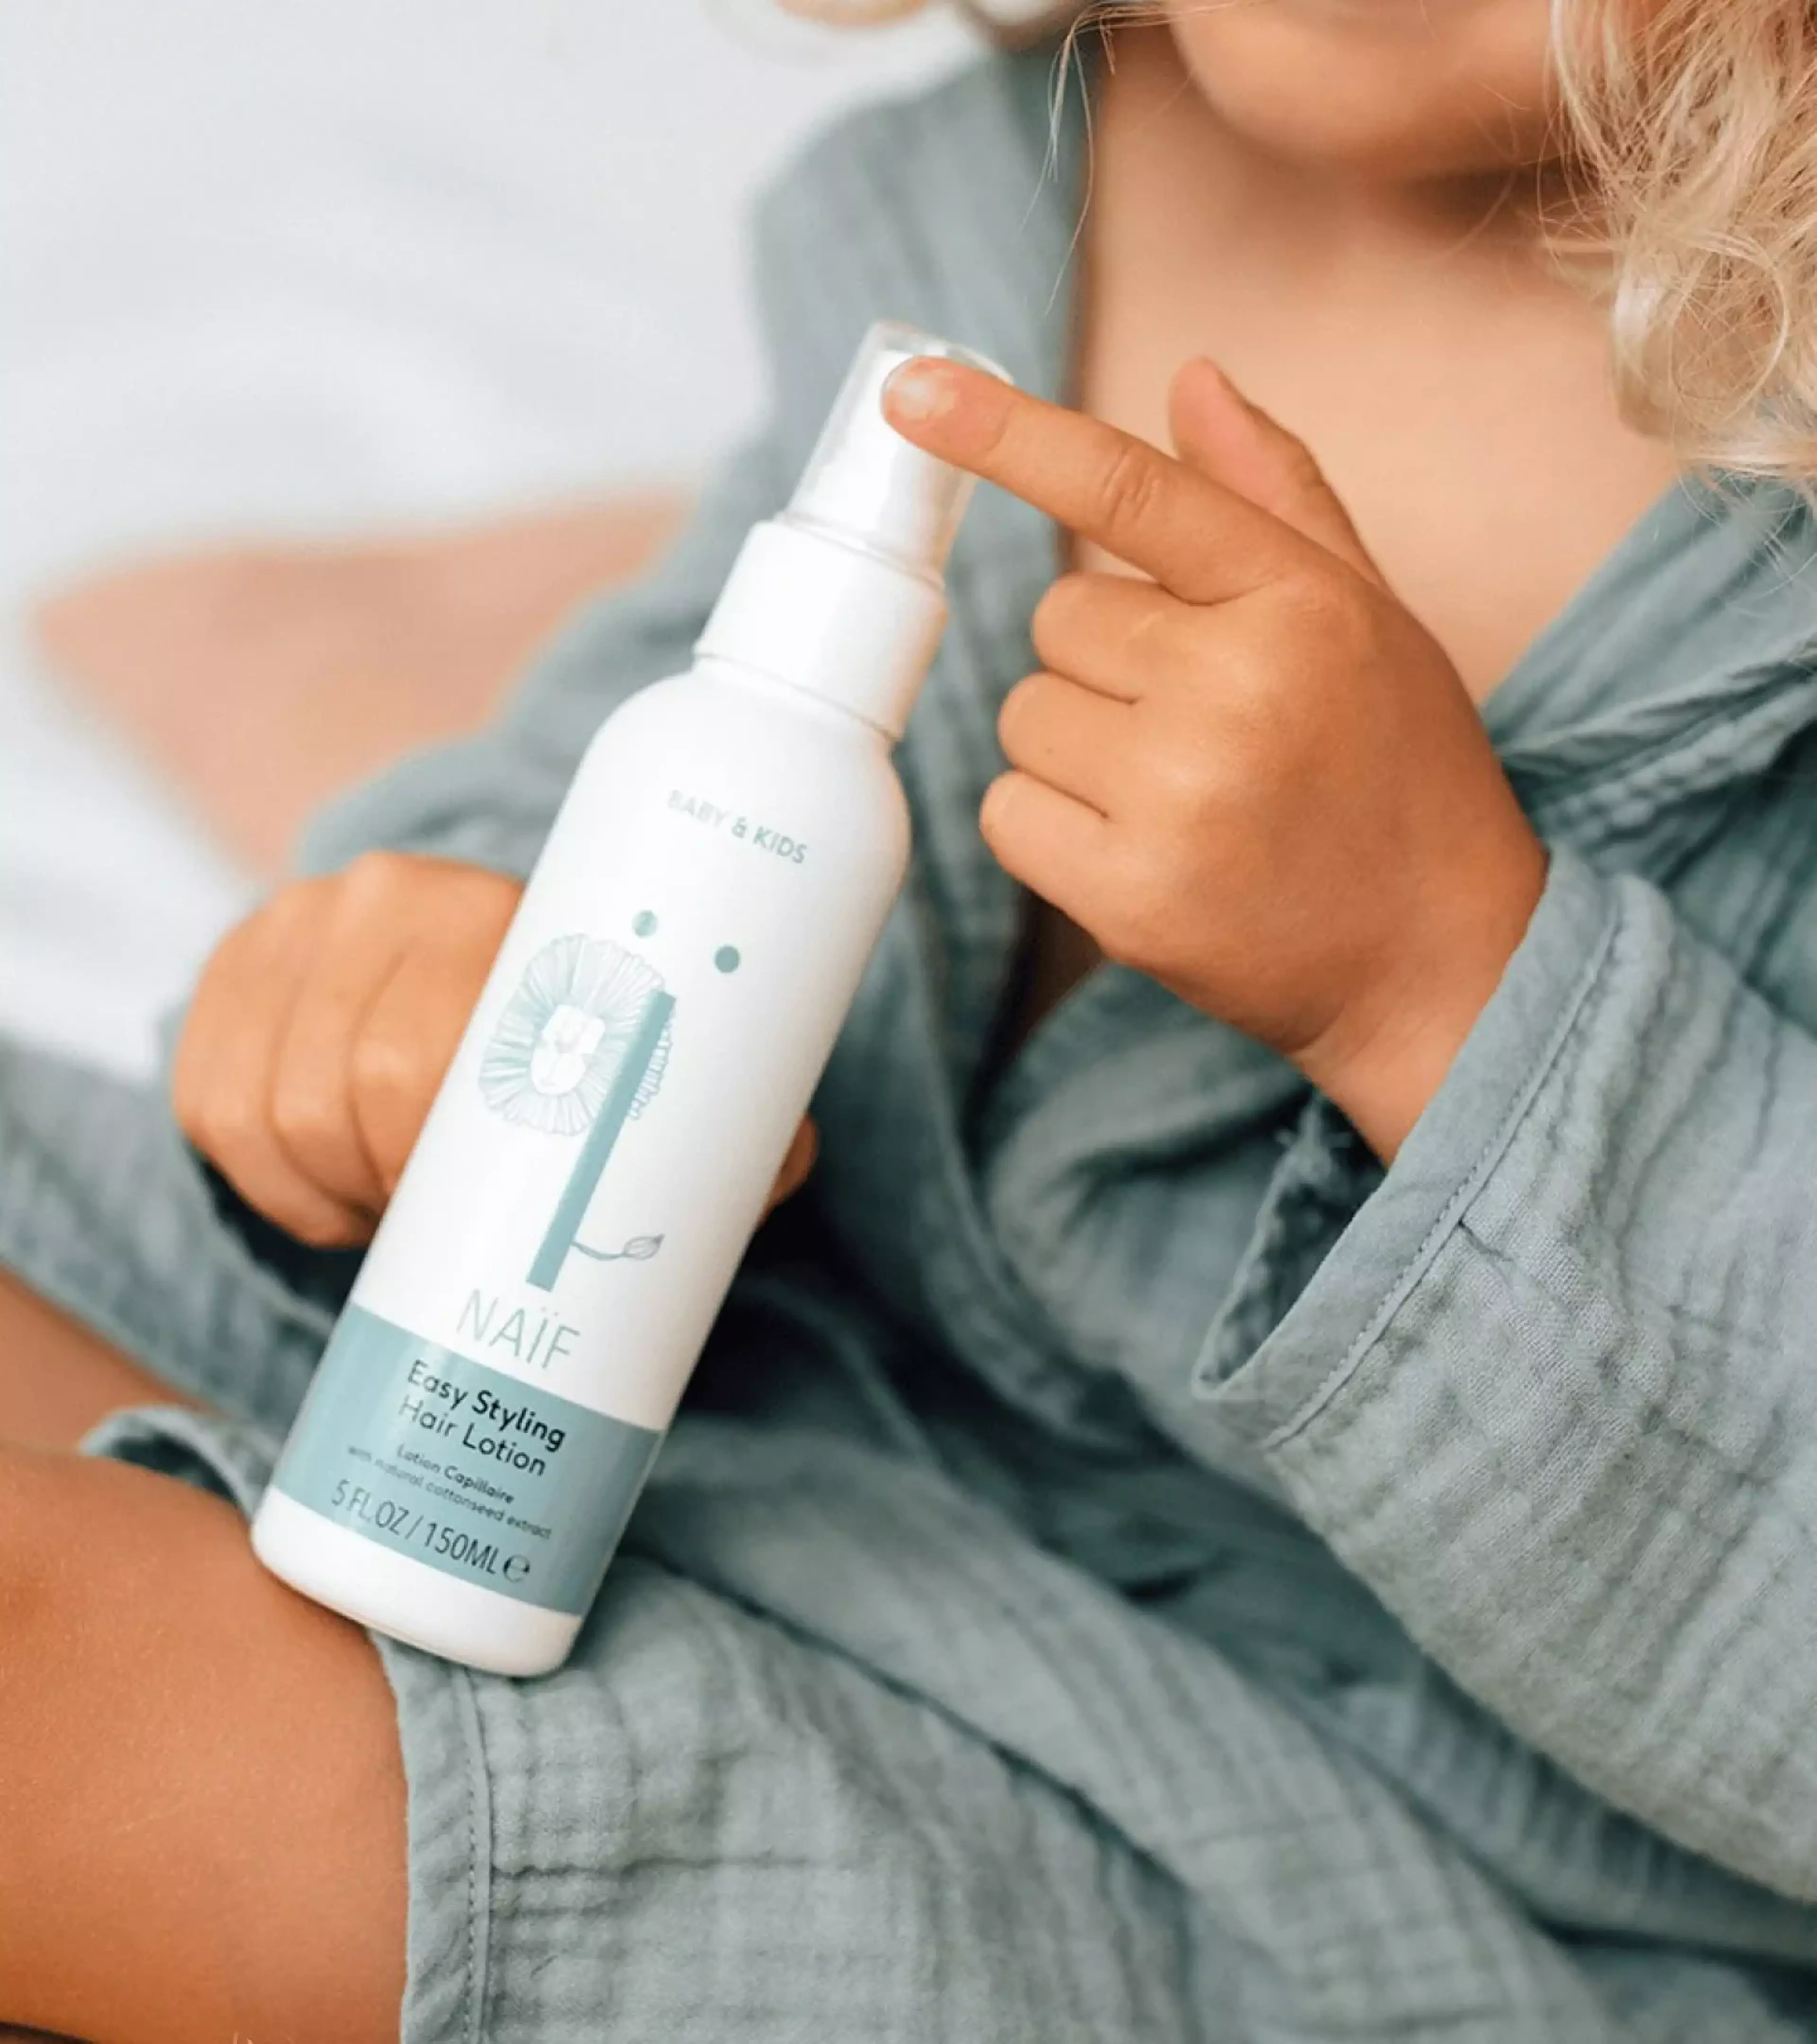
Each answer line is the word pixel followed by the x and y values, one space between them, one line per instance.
pixel 1266 1490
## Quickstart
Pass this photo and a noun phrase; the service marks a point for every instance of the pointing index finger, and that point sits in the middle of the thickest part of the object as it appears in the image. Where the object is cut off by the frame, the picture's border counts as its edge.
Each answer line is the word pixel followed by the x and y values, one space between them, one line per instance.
pixel 1202 542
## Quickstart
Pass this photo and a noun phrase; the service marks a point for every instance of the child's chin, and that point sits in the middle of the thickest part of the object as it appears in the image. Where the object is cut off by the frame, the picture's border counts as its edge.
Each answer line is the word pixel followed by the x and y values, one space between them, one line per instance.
pixel 1367 90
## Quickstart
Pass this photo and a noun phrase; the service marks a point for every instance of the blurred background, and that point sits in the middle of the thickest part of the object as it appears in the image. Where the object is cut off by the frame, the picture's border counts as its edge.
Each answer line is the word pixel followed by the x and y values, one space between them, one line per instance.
pixel 343 345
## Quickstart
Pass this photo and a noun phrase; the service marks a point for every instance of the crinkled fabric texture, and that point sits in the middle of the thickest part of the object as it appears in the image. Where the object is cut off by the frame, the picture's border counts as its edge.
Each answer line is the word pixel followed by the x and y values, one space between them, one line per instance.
pixel 1133 1568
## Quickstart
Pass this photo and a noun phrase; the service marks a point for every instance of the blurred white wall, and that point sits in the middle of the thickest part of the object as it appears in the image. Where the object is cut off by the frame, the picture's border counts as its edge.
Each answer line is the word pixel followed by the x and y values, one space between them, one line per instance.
pixel 309 268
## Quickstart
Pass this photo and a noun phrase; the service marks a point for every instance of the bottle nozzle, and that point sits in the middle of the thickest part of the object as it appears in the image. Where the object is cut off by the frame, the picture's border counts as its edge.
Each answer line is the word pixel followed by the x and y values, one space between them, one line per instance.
pixel 865 484
pixel 841 596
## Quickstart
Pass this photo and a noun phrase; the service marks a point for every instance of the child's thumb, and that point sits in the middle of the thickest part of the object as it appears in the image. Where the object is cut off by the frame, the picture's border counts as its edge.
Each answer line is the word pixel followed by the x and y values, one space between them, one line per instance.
pixel 1218 432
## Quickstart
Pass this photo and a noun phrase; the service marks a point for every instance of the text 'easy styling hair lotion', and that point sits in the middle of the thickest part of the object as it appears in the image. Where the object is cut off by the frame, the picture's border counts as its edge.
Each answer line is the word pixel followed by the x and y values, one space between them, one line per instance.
pixel 603 1145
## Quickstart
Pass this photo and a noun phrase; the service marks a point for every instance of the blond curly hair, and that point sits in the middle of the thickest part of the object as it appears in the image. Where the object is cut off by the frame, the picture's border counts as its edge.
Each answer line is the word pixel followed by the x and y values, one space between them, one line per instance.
pixel 1697 120
pixel 1696 123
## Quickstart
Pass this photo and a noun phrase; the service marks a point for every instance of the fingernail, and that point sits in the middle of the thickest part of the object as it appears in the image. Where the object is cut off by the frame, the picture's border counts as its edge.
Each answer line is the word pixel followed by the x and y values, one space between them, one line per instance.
pixel 918 390
pixel 1217 369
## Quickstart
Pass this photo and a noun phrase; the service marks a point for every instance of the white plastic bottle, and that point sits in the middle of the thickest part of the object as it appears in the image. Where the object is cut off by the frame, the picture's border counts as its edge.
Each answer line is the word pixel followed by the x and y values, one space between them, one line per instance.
pixel 601 1149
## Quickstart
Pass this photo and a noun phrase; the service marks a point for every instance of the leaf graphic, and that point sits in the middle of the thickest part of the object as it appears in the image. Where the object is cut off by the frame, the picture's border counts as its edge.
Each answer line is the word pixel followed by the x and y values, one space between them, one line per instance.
pixel 639 1248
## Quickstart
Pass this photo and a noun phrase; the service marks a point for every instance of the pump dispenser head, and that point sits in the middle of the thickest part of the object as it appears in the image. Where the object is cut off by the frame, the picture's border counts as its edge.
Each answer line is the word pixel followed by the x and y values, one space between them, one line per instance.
pixel 864 483
pixel 840 595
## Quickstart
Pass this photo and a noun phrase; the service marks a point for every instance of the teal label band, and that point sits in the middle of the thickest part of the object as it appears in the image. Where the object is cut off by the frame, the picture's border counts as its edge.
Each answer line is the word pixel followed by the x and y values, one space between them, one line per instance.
pixel 475 1473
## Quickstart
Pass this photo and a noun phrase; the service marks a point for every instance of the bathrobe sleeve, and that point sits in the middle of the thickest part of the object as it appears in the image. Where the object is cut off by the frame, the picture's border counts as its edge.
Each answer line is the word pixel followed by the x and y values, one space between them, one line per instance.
pixel 1554 1393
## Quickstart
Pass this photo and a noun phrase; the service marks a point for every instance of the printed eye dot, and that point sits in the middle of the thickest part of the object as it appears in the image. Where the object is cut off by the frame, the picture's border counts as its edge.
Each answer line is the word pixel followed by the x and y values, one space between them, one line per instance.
pixel 642 923
pixel 726 958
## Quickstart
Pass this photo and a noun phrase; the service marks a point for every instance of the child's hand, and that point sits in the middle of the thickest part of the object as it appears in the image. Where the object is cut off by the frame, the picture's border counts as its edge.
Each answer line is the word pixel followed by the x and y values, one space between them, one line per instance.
pixel 1260 781
pixel 322 1027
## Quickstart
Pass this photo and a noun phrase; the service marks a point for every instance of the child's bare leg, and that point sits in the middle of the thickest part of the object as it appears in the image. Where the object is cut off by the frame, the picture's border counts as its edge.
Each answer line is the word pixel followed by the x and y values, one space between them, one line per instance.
pixel 264 678
pixel 57 1379
pixel 204 1828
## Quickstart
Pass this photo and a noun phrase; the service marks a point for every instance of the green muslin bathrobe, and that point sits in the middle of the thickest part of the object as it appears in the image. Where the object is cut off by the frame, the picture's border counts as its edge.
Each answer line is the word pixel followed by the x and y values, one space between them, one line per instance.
pixel 1131 1569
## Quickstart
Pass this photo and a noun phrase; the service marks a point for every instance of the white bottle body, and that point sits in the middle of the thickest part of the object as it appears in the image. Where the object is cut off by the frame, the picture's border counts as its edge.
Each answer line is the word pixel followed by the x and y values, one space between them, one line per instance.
pixel 592 1170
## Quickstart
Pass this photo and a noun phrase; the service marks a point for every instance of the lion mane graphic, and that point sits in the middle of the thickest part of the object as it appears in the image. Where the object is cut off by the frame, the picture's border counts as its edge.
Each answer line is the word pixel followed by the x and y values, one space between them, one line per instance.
pixel 580 1048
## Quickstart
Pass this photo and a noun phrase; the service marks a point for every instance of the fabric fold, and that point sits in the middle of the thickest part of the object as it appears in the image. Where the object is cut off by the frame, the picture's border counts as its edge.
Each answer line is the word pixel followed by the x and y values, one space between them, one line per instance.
pixel 1577 1454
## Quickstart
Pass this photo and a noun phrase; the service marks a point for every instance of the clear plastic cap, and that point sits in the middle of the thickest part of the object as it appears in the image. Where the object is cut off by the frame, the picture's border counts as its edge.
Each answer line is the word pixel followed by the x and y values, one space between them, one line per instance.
pixel 865 484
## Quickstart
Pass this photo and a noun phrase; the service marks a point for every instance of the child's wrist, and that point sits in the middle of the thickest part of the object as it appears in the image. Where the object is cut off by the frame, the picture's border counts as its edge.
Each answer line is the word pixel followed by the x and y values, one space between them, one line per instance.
pixel 1386 1056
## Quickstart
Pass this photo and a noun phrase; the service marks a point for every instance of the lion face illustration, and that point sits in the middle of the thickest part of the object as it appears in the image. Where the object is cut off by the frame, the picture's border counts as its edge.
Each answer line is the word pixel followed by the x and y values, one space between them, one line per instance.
pixel 562 1037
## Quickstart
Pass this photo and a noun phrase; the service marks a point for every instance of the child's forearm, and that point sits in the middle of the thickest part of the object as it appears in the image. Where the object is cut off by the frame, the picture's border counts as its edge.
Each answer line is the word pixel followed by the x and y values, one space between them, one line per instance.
pixel 203 1799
